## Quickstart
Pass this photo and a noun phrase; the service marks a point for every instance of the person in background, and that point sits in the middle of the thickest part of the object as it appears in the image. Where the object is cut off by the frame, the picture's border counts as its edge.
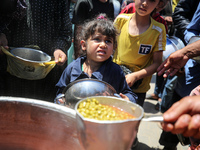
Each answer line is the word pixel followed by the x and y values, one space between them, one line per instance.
pixel 182 16
pixel 44 24
pixel 130 8
pixel 185 83
pixel 140 46
pixel 144 57
pixel 98 41
pixel 87 9
pixel 193 29
pixel 156 16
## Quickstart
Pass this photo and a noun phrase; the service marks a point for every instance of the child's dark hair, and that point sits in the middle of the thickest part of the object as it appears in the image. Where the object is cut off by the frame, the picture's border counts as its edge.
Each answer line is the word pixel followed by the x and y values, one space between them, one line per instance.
pixel 99 24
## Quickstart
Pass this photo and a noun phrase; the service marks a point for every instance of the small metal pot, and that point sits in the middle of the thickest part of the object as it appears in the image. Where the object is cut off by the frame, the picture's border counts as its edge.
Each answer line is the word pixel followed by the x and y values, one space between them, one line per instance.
pixel 30 55
pixel 83 88
pixel 109 135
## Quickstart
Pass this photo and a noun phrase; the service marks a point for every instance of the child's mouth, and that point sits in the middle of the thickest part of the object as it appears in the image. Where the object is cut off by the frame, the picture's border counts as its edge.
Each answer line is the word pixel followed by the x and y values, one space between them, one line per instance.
pixel 101 52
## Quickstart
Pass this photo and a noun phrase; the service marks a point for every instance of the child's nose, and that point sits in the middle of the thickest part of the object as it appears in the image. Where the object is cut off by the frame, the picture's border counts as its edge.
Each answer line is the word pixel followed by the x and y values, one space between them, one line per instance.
pixel 144 3
pixel 103 44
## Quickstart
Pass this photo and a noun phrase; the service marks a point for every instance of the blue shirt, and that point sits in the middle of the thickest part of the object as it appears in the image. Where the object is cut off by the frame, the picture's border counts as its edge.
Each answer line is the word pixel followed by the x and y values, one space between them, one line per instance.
pixel 193 28
pixel 191 79
pixel 109 72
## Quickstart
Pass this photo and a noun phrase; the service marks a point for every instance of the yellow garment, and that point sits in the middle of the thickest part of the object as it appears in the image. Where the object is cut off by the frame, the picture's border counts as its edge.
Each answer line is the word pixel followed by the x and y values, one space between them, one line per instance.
pixel 27 70
pixel 174 3
pixel 136 52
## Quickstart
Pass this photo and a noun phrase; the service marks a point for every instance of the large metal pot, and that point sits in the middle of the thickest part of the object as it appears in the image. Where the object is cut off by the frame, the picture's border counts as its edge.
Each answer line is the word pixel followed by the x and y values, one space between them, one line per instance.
pixel 109 135
pixel 28 124
pixel 83 88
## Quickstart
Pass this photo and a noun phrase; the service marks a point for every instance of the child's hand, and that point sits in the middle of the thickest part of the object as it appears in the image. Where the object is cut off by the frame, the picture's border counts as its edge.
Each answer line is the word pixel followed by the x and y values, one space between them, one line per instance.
pixel 124 96
pixel 130 79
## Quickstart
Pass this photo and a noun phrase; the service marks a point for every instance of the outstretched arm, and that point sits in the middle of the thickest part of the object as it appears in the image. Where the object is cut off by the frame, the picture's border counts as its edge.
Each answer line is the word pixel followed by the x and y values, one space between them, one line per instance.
pixel 178 59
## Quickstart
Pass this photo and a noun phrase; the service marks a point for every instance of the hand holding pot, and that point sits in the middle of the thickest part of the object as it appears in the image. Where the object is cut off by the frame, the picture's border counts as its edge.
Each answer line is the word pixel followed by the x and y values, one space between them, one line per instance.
pixel 186 115
pixel 60 57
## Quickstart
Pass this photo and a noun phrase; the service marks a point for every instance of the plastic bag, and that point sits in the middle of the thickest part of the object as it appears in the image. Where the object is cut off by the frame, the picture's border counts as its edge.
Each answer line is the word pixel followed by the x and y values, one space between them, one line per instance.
pixel 27 70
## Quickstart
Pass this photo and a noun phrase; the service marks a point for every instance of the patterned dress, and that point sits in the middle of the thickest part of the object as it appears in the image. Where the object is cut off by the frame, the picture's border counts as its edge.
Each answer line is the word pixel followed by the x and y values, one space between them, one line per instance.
pixel 45 23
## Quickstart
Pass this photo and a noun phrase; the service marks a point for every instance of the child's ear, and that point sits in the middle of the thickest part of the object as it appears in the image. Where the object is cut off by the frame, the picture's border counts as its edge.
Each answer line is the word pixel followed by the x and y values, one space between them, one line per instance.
pixel 83 45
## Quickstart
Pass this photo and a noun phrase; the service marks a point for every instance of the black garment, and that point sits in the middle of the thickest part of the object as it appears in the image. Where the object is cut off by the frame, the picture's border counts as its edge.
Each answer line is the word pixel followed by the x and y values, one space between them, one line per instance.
pixel 88 9
pixel 46 24
pixel 182 16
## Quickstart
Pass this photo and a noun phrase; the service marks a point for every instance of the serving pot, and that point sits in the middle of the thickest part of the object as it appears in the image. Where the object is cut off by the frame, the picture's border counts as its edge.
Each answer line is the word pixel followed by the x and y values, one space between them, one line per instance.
pixel 82 88
pixel 29 124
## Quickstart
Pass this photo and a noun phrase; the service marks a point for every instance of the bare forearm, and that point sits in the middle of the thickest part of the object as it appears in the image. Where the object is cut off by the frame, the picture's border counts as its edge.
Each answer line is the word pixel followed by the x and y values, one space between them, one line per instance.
pixel 192 50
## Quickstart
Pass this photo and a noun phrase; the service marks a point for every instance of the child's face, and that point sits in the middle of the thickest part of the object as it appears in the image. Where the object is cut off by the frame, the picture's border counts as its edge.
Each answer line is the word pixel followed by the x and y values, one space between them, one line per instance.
pixel 98 47
pixel 145 7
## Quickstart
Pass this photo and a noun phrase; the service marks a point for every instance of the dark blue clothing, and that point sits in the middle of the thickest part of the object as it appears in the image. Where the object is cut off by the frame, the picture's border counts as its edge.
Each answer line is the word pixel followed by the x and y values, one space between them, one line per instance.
pixel 187 83
pixel 109 72
pixel 193 29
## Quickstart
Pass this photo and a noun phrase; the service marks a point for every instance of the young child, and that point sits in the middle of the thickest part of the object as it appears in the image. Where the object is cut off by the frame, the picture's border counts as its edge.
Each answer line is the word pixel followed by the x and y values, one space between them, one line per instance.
pixel 140 45
pixel 97 41
pixel 130 8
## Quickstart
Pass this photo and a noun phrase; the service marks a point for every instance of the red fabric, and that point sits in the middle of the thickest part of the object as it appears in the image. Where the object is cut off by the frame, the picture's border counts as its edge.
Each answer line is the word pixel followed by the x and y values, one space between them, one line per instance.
pixel 160 19
pixel 130 8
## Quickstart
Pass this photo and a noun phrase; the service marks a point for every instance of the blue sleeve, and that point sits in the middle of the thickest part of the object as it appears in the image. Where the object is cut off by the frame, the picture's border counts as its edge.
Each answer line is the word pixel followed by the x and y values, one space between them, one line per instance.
pixel 194 26
pixel 64 79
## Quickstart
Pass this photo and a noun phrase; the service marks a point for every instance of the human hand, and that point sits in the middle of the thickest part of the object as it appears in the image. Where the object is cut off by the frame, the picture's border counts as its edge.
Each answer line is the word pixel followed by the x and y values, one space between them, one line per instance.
pixel 3 42
pixel 184 117
pixel 130 79
pixel 61 100
pixel 169 20
pixel 195 91
pixel 60 57
pixel 124 96
pixel 172 64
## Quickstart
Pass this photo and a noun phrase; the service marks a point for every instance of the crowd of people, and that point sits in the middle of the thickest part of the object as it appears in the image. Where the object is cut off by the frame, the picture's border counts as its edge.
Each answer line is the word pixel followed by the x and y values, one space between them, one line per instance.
pixel 114 40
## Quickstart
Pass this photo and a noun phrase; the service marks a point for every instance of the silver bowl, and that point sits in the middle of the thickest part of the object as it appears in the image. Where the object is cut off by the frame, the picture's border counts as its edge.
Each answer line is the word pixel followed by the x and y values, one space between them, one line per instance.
pixel 83 88
pixel 30 55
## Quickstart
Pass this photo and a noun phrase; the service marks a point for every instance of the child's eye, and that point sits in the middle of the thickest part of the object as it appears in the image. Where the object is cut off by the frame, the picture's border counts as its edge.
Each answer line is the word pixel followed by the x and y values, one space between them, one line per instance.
pixel 108 41
pixel 96 39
